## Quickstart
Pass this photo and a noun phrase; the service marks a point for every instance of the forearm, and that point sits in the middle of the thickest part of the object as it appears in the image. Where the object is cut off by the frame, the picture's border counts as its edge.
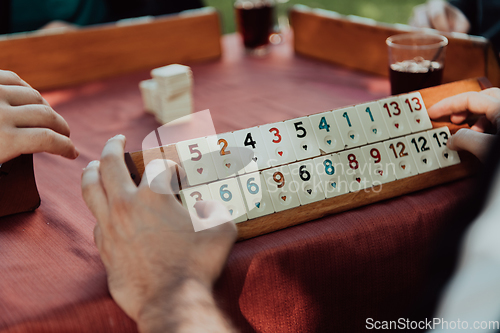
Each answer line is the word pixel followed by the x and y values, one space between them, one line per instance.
pixel 191 308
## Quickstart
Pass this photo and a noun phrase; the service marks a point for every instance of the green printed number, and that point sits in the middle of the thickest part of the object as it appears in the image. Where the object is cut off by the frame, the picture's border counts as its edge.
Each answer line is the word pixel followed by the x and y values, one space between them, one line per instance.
pixel 225 195
pixel 329 169
pixel 324 125
pixel 370 113
pixel 346 116
pixel 252 187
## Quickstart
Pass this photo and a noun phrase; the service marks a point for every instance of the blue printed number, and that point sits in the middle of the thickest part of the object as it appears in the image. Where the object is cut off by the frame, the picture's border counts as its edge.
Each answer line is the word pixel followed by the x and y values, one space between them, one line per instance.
pixel 253 188
pixel 329 169
pixel 370 113
pixel 346 116
pixel 324 125
pixel 225 194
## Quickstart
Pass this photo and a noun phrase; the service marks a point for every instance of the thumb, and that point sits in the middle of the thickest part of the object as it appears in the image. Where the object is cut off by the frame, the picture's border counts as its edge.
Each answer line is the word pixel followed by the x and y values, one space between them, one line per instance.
pixel 471 141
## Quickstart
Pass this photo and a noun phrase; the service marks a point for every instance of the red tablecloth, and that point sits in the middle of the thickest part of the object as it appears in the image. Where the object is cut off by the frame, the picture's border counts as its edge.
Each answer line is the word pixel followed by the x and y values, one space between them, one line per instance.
pixel 326 275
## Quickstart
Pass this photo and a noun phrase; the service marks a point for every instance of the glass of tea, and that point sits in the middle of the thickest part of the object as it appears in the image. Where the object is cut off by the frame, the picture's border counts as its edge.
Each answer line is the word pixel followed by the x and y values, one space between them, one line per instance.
pixel 255 19
pixel 416 61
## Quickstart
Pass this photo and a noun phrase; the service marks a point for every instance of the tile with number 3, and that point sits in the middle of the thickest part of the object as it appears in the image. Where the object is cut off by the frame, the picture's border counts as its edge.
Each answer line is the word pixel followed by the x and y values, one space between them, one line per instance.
pixel 278 144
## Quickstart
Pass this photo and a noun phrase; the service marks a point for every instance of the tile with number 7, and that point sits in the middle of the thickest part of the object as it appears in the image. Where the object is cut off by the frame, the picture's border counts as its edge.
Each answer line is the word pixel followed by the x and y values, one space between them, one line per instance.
pixel 394 117
pixel 229 194
pixel 380 165
pixel 423 152
pixel 278 144
pixel 197 161
pixel 302 138
pixel 414 107
pixel 439 137
pixel 255 194
pixel 327 133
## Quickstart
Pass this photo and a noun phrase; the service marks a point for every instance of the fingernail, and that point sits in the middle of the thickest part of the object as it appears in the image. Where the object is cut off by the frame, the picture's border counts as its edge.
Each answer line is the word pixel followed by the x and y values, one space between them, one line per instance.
pixel 76 153
pixel 119 136
pixel 93 164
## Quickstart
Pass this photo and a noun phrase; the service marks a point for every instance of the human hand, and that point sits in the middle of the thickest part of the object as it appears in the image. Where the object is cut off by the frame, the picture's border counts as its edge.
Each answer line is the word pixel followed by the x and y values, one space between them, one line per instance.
pixel 485 103
pixel 160 272
pixel 27 122
pixel 439 15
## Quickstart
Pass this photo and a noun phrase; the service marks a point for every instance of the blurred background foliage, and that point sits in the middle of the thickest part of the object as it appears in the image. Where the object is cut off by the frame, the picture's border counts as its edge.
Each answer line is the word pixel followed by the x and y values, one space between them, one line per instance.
pixel 390 11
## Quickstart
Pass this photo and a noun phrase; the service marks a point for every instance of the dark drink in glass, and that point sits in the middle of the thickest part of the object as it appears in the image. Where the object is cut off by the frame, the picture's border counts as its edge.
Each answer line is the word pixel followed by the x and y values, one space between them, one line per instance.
pixel 255 22
pixel 410 75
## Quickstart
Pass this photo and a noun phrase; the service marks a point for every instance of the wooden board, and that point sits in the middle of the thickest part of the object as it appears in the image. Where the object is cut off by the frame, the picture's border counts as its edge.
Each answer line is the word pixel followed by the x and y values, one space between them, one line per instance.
pixel 301 214
pixel 92 53
pixel 360 44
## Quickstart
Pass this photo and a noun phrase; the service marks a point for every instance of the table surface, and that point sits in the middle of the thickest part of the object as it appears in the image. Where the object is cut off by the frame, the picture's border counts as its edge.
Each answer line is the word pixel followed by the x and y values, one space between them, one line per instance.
pixel 325 275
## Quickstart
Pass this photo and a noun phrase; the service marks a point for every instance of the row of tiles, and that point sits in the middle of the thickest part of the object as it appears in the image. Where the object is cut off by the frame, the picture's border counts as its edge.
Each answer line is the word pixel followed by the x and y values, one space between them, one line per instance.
pixel 226 155
pixel 256 194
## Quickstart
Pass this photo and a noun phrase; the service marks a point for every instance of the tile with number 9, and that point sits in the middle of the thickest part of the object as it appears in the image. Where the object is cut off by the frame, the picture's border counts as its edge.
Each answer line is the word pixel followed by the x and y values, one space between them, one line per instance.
pixel 414 107
pixel 394 117
pixel 372 121
pixel 226 155
pixel 253 150
pixel 380 165
pixel 422 152
pixel 197 161
pixel 255 194
pixel 327 133
pixel 281 187
pixel 439 137
pixel 302 137
pixel 310 188
pixel 350 127
pixel 278 144
pixel 228 192
pixel 332 175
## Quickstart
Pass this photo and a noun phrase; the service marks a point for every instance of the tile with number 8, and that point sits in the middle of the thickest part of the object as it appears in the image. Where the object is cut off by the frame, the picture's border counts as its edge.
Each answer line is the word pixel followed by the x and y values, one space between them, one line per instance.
pixel 380 166
pixel 422 152
pixel 253 151
pixel 281 188
pixel 255 194
pixel 356 169
pixel 400 155
pixel 394 117
pixel 326 132
pixel 350 127
pixel 332 175
pixel 439 137
pixel 414 107
pixel 302 137
pixel 228 193
pixel 310 188
pixel 226 155
pixel 197 161
pixel 372 122
pixel 278 144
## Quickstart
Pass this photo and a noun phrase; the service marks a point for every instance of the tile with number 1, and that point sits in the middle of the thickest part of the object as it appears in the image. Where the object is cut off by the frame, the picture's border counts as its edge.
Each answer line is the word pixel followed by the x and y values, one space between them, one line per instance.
pixel 373 124
pixel 197 161
pixel 229 194
pixel 350 127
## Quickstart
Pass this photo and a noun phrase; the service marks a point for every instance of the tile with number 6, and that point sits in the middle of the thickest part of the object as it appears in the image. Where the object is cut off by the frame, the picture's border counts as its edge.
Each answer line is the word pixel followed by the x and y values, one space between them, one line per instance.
pixel 332 175
pixel 422 152
pixel 302 137
pixel 380 165
pixel 197 161
pixel 278 144
pixel 226 155
pixel 228 193
pixel 327 133
pixel 255 194
pixel 414 107
pixel 400 155
pixel 281 187
pixel 439 138
pixel 372 121
pixel 350 127
pixel 394 117
pixel 310 188
pixel 253 151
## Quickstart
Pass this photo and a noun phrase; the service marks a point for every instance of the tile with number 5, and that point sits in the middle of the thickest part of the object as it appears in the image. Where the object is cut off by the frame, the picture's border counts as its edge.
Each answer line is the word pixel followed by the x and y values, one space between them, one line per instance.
pixel 228 193
pixel 278 144
pixel 255 194
pixel 350 127
pixel 415 109
pixel 422 152
pixel 302 138
pixel 310 188
pixel 394 117
pixel 372 121
pixel 332 175
pixel 253 150
pixel 439 138
pixel 197 161
pixel 281 187
pixel 226 155
pixel 327 133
